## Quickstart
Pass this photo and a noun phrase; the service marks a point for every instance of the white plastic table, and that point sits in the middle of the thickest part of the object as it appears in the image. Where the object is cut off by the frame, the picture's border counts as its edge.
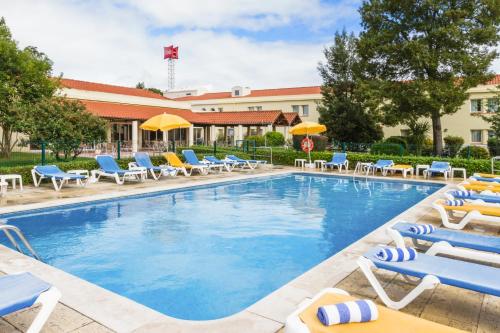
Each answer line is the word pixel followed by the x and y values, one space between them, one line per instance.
pixel 79 172
pixel 422 167
pixel 319 164
pixel 13 178
pixel 393 169
pixel 3 188
pixel 362 167
pixel 462 170
pixel 300 162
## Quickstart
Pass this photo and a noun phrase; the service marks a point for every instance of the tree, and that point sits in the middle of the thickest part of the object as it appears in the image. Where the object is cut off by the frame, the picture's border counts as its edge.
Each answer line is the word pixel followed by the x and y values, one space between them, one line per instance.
pixel 425 55
pixel 25 80
pixel 65 125
pixel 141 85
pixel 418 134
pixel 343 109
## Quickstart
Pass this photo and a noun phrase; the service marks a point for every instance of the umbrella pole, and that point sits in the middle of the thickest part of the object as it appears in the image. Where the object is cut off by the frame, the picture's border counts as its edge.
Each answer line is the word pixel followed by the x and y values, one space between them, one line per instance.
pixel 309 150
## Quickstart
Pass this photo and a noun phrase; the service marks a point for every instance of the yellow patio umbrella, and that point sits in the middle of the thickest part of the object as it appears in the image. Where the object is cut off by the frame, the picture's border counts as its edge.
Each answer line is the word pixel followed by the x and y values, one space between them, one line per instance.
pixel 306 128
pixel 165 122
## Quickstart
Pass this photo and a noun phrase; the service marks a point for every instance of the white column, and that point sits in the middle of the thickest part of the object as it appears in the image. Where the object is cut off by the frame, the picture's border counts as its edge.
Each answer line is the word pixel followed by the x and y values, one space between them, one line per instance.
pixel 165 136
pixel 269 128
pixel 240 132
pixel 190 136
pixel 213 134
pixel 135 136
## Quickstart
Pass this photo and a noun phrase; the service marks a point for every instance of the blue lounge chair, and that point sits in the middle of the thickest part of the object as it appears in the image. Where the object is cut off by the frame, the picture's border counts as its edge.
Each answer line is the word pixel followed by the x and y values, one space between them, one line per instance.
pixel 229 165
pixel 195 163
pixel 379 166
pixel 485 179
pixel 252 164
pixel 339 160
pixel 21 291
pixel 433 270
pixel 472 196
pixel 487 248
pixel 56 175
pixel 443 168
pixel 142 160
pixel 109 168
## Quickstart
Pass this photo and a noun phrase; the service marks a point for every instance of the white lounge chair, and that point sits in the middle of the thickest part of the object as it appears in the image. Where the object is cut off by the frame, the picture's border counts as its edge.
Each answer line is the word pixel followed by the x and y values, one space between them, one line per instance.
pixel 109 168
pixel 56 175
pixel 21 291
pixel 458 215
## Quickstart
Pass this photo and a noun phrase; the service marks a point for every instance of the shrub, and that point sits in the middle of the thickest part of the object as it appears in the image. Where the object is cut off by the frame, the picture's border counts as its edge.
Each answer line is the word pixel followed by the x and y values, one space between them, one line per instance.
pixel 275 139
pixel 387 148
pixel 320 142
pixel 474 152
pixel 453 144
pixel 399 140
pixel 259 140
pixel 494 146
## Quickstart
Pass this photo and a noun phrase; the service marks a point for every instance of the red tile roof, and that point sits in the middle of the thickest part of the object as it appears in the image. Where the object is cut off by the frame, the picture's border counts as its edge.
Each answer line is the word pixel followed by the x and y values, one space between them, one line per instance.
pixel 108 88
pixel 143 112
pixel 494 80
pixel 242 118
pixel 292 118
pixel 257 93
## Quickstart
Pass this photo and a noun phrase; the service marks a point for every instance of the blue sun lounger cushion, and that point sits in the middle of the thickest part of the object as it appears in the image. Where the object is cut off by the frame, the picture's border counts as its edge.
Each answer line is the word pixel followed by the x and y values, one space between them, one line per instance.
pixel 457 273
pixel 191 157
pixel 52 171
pixel 475 196
pixel 396 254
pixel 143 160
pixel 19 291
pixel 359 311
pixel 420 229
pixel 457 238
pixel 109 165
pixel 485 179
pixel 454 202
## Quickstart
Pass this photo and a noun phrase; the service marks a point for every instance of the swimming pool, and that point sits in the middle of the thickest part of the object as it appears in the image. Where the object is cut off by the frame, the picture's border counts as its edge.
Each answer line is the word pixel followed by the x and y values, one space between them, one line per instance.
pixel 210 251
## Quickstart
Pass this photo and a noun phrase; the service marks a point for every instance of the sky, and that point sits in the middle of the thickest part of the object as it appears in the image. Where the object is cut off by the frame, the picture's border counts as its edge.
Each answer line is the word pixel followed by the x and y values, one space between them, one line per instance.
pixel 222 43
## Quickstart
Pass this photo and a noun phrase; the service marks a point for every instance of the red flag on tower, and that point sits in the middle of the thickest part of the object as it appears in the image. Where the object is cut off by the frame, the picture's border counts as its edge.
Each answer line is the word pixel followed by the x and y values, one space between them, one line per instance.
pixel 171 52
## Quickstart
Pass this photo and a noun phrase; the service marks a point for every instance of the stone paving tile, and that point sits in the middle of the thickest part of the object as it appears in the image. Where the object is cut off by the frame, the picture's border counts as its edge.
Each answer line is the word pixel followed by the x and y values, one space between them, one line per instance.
pixel 5 327
pixel 490 314
pixel 63 319
pixel 92 328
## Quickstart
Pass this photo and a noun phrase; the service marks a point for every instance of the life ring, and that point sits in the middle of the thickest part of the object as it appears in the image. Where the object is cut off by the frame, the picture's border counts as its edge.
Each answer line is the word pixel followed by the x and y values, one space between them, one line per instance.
pixel 307 145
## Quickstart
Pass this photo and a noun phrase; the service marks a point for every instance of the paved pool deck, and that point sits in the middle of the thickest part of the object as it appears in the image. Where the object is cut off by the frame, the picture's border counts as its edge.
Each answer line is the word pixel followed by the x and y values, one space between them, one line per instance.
pixel 85 307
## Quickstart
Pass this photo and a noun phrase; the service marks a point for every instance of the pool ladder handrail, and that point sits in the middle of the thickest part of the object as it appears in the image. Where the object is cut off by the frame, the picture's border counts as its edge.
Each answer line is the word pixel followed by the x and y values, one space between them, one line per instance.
pixel 6 228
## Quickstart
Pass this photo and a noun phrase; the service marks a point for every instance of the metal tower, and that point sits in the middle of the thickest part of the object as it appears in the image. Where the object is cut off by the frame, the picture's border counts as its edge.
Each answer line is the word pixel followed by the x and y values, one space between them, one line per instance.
pixel 171 74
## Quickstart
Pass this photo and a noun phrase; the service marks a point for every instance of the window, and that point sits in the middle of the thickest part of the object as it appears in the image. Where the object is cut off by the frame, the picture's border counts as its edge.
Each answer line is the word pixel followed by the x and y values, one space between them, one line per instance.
pixel 251 108
pixel 212 109
pixel 203 109
pixel 405 132
pixel 476 136
pixel 491 133
pixel 305 110
pixel 236 93
pixel 295 108
pixel 475 105
pixel 492 105
pixel 258 108
pixel 221 109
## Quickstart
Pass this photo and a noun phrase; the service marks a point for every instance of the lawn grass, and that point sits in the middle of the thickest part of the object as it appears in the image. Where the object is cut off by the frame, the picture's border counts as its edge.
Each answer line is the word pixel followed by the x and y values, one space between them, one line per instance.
pixel 28 158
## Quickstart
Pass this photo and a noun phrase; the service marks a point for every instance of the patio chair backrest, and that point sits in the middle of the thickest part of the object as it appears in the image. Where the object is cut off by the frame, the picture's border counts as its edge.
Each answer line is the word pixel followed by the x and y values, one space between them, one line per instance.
pixel 440 165
pixel 48 169
pixel 142 159
pixel 107 163
pixel 212 159
pixel 339 157
pixel 173 160
pixel 235 158
pixel 384 163
pixel 190 156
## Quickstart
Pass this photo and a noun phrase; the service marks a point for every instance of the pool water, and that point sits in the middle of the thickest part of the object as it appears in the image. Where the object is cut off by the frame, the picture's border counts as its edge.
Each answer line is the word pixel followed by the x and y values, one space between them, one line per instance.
pixel 209 252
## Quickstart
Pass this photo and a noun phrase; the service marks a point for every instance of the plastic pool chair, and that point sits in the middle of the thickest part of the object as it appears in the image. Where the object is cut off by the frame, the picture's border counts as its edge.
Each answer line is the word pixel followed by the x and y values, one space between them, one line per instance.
pixel 185 168
pixel 486 248
pixel 109 168
pixel 21 291
pixel 228 165
pixel 193 160
pixel 468 212
pixel 304 319
pixel 479 186
pixel 438 167
pixel 56 175
pixel 472 196
pixel 339 160
pixel 142 160
pixel 252 164
pixel 433 270
pixel 379 166
pixel 486 177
